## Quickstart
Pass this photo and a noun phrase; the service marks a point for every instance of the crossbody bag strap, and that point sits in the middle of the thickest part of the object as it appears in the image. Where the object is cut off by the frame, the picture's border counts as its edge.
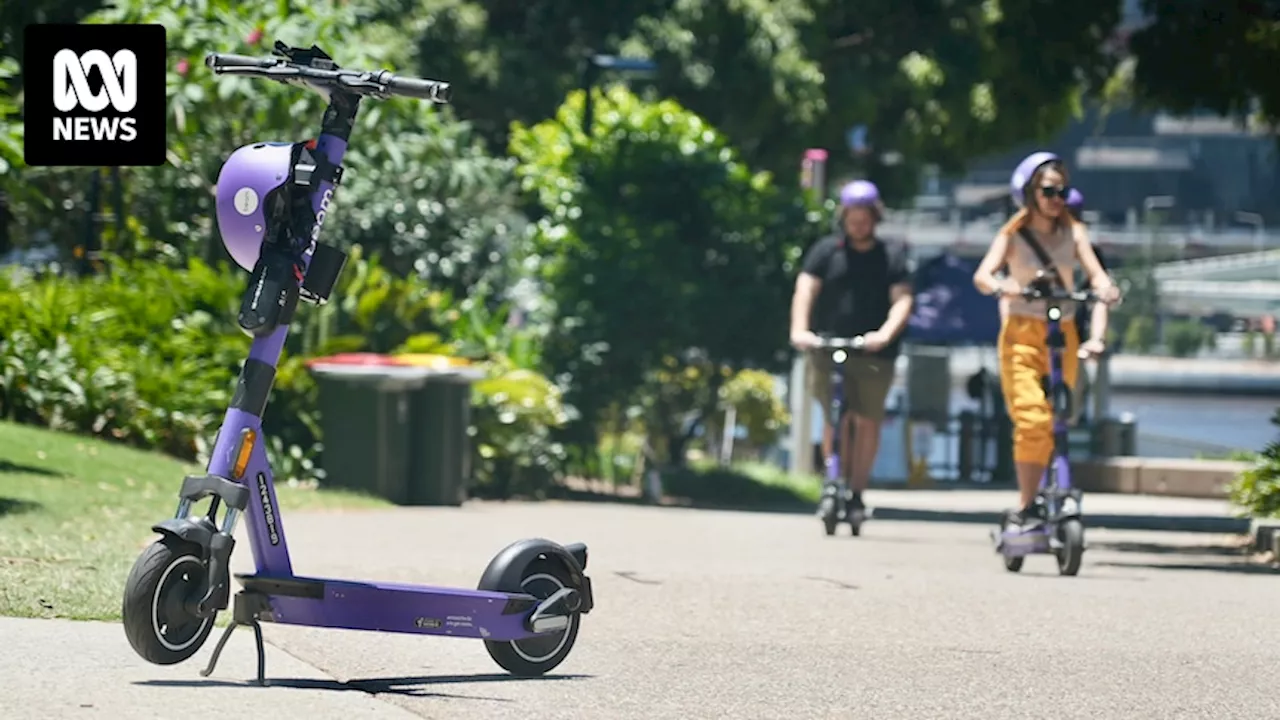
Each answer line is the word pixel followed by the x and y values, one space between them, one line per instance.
pixel 1038 249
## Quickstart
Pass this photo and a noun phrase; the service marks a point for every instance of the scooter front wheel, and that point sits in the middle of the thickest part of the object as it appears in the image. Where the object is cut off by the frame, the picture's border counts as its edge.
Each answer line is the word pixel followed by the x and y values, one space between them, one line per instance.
pixel 827 511
pixel 158 601
pixel 1071 554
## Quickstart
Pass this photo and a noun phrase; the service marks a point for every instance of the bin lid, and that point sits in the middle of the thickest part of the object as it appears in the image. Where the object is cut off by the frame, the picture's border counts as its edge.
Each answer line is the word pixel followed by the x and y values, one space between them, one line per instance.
pixel 441 362
pixel 354 358
pixel 413 369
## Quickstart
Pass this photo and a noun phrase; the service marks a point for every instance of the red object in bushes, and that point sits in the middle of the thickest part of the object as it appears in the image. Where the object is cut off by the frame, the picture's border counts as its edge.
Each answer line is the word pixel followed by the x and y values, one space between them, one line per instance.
pixel 357 358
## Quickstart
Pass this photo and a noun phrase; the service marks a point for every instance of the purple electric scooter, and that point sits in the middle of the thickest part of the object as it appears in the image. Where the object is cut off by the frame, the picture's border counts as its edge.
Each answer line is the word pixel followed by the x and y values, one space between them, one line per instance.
pixel 1062 530
pixel 833 508
pixel 272 200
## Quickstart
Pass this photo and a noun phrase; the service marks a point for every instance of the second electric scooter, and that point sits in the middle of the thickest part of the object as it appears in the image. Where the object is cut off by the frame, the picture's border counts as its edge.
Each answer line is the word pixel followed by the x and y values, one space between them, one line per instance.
pixel 834 508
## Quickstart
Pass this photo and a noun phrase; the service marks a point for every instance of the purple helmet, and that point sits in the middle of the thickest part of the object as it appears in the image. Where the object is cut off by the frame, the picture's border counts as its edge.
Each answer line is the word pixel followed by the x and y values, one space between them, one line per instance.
pixel 1018 184
pixel 860 193
pixel 1075 200
pixel 248 182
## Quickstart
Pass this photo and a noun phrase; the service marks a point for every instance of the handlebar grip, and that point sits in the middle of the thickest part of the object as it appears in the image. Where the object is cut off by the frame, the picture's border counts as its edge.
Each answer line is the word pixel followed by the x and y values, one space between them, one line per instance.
pixel 433 90
pixel 218 61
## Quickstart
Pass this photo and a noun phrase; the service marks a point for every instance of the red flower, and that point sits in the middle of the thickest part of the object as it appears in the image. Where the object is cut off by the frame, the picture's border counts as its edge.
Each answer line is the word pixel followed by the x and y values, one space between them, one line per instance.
pixel 183 66
pixel 254 37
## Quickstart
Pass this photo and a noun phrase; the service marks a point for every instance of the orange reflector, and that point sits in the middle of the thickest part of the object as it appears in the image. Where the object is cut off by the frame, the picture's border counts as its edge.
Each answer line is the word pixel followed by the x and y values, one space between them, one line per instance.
pixel 247 438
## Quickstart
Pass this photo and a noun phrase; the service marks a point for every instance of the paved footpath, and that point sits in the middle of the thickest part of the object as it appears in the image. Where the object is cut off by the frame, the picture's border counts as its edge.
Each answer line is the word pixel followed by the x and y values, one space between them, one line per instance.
pixel 707 614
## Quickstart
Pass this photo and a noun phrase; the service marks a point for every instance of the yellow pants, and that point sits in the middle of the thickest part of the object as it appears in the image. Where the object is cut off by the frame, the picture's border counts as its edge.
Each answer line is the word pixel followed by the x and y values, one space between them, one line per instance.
pixel 1024 364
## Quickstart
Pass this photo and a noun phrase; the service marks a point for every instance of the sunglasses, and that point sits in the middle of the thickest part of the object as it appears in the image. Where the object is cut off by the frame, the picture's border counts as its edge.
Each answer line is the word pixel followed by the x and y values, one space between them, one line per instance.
pixel 1055 191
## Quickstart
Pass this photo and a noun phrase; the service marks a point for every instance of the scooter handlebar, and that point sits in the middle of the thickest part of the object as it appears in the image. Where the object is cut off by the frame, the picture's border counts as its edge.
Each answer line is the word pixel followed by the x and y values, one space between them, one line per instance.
pixel 220 61
pixel 421 88
pixel 364 82
pixel 853 343
pixel 1036 293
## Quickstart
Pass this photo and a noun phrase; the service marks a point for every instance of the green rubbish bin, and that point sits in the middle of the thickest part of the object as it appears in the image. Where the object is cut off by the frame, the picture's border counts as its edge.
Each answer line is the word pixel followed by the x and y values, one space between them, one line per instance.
pixel 440 452
pixel 395 429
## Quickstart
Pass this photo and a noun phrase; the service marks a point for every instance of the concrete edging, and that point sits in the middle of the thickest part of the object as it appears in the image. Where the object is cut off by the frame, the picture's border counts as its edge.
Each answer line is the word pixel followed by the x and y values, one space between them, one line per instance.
pixel 1170 477
pixel 1266 536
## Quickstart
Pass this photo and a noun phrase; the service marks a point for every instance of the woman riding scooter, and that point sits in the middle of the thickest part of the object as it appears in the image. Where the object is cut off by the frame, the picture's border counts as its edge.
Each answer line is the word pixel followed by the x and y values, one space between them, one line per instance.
pixel 1042 236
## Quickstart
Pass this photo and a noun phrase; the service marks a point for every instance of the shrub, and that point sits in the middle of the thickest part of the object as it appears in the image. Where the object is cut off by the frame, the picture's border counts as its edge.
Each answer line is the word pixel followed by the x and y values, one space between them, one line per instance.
pixel 147 355
pixel 1186 337
pixel 1140 335
pixel 758 408
pixel 1258 488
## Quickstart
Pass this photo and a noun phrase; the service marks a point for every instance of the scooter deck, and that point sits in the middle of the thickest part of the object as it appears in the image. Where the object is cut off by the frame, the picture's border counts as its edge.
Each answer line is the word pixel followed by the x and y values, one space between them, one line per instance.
pixel 390 607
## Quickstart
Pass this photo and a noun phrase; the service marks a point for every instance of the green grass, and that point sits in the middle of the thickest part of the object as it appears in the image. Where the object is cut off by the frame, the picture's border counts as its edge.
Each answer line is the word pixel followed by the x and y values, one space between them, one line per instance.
pixel 76 511
pixel 743 485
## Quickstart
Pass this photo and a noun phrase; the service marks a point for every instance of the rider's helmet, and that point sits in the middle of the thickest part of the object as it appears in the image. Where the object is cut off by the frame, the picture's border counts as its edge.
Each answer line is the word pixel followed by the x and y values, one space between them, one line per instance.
pixel 246 192
pixel 1020 184
pixel 861 193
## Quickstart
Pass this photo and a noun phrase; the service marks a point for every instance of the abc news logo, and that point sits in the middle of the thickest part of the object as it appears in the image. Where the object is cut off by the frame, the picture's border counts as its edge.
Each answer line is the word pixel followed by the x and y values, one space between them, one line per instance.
pixel 96 95
pixel 71 91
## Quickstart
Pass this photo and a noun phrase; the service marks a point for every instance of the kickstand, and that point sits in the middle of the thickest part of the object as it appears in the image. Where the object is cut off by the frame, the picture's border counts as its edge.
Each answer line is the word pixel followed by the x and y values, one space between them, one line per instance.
pixel 242 615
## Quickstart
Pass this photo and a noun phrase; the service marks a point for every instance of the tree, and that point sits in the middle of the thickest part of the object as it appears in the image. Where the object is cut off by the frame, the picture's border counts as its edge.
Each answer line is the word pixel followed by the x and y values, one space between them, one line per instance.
pixel 938 81
pixel 1209 55
pixel 420 190
pixel 664 253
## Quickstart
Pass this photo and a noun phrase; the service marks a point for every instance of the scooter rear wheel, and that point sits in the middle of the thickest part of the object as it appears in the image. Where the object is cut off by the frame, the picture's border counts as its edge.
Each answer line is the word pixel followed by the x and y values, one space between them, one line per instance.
pixel 1070 555
pixel 537 655
pixel 156 611
pixel 1012 563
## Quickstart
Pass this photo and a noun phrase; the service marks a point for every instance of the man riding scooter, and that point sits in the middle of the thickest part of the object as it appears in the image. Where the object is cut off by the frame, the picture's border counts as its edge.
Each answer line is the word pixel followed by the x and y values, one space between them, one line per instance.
pixel 852 284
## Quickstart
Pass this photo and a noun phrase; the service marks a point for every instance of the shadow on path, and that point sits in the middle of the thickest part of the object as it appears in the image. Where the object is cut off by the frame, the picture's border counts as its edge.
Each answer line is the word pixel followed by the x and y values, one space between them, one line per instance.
pixel 7 466
pixel 1210 524
pixel 418 686
pixel 1241 567
pixel 1155 548
pixel 14 506
pixel 1170 523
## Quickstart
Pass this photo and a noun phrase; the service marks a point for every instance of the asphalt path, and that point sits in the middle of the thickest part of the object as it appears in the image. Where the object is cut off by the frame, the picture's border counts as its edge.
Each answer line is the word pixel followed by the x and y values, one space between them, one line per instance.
pixel 717 614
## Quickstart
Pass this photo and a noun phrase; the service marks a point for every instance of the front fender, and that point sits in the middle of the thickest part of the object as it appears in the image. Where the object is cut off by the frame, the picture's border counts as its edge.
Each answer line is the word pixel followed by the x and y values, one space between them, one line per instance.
pixel 197 531
pixel 506 571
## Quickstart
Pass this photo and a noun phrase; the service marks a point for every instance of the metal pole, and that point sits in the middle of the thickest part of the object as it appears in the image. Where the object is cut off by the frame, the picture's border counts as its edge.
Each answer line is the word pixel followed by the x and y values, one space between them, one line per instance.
pixel 800 461
pixel 1102 388
pixel 726 442
pixel 1259 236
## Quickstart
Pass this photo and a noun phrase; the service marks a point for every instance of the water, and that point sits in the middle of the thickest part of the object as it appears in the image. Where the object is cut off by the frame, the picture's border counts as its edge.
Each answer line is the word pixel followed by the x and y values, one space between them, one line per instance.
pixel 1171 426
pixel 1225 423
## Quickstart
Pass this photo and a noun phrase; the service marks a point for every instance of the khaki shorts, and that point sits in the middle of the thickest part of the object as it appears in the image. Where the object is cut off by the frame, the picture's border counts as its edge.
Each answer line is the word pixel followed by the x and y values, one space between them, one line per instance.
pixel 866 382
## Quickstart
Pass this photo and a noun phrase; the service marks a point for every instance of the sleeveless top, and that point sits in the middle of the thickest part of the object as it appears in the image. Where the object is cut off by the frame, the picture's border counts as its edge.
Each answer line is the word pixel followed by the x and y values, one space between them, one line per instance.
pixel 1023 264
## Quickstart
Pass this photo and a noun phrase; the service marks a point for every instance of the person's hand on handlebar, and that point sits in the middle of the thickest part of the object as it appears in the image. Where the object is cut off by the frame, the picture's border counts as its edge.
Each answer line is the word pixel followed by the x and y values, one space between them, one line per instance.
pixel 805 340
pixel 1008 287
pixel 1091 348
pixel 1109 294
pixel 875 341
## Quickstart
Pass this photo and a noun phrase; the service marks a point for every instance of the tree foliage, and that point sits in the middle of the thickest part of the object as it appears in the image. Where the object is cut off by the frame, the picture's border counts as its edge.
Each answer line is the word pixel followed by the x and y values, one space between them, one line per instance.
pixel 937 81
pixel 663 251
pixel 1209 55
pixel 420 190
